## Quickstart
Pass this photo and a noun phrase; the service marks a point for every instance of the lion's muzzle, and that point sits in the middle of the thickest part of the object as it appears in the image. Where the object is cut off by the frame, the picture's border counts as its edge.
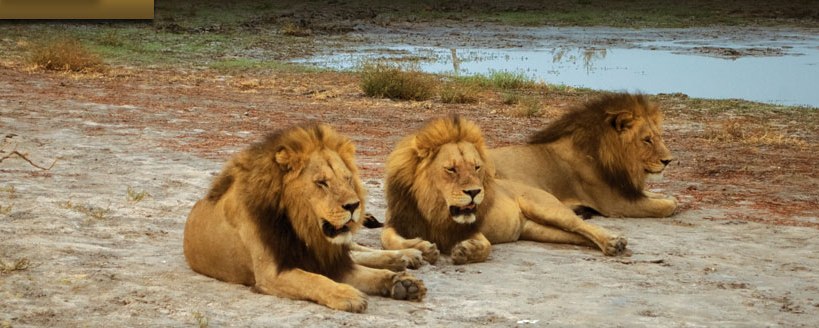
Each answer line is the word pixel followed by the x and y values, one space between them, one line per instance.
pixel 463 210
pixel 331 231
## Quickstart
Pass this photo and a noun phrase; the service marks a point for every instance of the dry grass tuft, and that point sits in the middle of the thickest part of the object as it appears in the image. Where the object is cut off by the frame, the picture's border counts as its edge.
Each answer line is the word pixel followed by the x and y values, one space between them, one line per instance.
pixel 65 55
pixel 744 132
pixel 529 107
pixel 136 196
pixel 91 212
pixel 201 319
pixel 292 29
pixel 19 265
pixel 386 81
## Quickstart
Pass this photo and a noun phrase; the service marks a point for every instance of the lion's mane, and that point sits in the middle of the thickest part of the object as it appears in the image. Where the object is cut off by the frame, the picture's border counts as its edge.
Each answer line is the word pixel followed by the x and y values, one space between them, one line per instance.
pixel 589 127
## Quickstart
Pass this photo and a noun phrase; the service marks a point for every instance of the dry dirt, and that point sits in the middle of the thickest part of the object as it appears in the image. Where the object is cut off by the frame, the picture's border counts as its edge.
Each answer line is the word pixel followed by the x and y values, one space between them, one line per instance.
pixel 97 238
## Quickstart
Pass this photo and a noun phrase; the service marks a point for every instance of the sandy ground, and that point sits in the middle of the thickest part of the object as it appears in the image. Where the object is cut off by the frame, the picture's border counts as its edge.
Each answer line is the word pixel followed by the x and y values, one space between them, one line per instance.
pixel 741 251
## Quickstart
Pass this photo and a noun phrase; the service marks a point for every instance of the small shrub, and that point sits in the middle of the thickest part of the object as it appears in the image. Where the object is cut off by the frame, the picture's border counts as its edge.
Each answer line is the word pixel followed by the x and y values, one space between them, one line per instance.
pixel 385 81
pixel 65 55
pixel 459 93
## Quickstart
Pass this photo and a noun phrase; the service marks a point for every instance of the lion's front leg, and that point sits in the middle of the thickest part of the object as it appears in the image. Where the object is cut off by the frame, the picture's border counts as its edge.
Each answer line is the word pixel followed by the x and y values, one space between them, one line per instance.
pixel 652 205
pixel 390 239
pixel 302 285
pixel 656 205
pixel 397 285
pixel 394 260
pixel 475 249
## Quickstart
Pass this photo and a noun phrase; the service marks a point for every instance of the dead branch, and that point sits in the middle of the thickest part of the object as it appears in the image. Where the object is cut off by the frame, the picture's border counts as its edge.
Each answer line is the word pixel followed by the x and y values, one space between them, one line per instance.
pixel 24 157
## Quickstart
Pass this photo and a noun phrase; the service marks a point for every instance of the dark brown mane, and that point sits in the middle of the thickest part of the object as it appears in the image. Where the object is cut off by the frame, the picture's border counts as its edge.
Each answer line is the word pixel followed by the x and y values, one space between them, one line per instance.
pixel 259 179
pixel 589 125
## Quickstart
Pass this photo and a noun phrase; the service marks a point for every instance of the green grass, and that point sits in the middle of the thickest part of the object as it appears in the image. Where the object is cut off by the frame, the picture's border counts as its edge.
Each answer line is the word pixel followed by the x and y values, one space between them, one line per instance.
pixel 391 81
pixel 235 65
pixel 459 92
pixel 503 80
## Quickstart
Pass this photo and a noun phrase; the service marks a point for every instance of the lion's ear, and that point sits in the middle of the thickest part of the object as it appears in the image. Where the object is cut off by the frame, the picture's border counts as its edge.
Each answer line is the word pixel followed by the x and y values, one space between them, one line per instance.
pixel 621 121
pixel 420 150
pixel 285 158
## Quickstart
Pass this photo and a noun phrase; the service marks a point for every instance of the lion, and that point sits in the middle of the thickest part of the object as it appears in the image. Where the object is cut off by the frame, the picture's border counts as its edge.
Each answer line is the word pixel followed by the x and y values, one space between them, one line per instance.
pixel 596 158
pixel 443 197
pixel 280 217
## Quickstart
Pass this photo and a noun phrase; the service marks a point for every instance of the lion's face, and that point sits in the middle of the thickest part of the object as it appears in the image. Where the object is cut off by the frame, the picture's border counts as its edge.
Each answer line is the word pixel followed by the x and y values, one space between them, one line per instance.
pixel 457 174
pixel 323 184
pixel 644 150
pixel 645 141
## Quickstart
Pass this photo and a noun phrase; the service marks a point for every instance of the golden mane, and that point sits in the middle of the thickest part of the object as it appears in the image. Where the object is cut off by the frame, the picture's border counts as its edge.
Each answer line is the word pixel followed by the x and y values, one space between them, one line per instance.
pixel 404 189
pixel 294 242
pixel 592 128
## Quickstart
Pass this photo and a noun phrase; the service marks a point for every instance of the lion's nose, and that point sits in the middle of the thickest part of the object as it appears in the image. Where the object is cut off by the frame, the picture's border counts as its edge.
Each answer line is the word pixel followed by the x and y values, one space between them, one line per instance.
pixel 665 161
pixel 472 192
pixel 351 206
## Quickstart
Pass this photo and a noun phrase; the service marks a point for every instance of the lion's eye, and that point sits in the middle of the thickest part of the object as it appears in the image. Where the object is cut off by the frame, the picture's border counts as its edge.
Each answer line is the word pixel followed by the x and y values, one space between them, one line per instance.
pixel 647 140
pixel 477 168
pixel 451 169
pixel 322 183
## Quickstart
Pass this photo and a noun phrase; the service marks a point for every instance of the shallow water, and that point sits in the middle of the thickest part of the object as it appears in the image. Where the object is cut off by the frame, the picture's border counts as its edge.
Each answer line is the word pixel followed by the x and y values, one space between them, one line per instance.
pixel 785 74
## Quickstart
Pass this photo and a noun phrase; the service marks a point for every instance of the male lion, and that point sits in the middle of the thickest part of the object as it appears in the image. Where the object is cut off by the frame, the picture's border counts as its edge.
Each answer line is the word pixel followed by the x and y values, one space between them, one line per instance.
pixel 596 157
pixel 442 195
pixel 280 217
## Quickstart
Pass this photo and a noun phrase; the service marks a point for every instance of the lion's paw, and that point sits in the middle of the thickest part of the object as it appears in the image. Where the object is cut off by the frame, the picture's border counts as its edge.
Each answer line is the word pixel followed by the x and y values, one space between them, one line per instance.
pixel 347 298
pixel 469 250
pixel 407 287
pixel 400 260
pixel 412 258
pixel 615 246
pixel 429 251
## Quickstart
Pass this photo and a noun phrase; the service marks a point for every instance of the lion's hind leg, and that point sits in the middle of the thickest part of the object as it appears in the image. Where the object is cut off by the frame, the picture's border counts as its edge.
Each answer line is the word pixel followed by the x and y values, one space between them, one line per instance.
pixel 543 208
pixel 394 260
pixel 546 234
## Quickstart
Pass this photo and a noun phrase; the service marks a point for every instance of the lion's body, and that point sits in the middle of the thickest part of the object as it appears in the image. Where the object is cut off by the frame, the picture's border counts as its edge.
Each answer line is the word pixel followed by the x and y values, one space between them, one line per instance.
pixel 280 217
pixel 596 157
pixel 442 197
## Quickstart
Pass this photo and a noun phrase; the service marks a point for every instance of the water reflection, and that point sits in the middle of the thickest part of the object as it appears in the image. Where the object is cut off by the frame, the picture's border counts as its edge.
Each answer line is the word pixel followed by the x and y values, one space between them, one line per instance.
pixel 589 55
pixel 788 79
